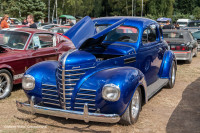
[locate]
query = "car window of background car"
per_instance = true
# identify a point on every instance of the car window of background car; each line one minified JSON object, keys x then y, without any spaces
{"x":196,"y":34}
{"x":194,"y":24}
{"x":123,"y":34}
{"x":13,"y":39}
{"x":42,"y":41}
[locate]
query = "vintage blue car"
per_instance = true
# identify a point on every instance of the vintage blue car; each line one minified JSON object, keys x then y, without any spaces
{"x":119,"y":63}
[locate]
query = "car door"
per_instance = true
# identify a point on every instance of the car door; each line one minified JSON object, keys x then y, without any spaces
{"x":150,"y":53}
{"x":42,"y":47}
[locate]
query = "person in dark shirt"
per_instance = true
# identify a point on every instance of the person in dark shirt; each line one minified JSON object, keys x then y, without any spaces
{"x":70,"y":22}
{"x":31,"y":22}
{"x":168,"y":25}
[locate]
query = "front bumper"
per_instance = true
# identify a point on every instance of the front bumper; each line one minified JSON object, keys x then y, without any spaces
{"x":85,"y":115}
{"x":183,"y":55}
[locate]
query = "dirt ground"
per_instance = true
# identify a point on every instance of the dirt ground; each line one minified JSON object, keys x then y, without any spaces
{"x":174,"y":110}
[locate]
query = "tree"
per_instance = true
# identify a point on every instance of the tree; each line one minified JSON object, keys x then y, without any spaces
{"x":196,"y":12}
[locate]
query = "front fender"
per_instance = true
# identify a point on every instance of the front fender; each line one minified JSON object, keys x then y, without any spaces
{"x":165,"y":69}
{"x":127,"y":78}
{"x":44,"y":73}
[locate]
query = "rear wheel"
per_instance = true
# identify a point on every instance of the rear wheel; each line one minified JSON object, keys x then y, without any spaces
{"x":132,"y":112}
{"x":173,"y":76}
{"x":6,"y":83}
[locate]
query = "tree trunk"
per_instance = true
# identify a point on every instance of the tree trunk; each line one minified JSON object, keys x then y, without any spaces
{"x":56,"y":11}
{"x":49,"y":1}
{"x":53,"y":12}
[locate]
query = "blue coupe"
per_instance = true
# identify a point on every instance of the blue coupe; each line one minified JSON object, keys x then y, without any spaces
{"x":119,"y":63}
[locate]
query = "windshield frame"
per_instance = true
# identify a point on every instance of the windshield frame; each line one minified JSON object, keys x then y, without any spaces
{"x":29,"y":36}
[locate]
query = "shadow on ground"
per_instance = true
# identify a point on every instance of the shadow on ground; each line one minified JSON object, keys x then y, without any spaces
{"x":186,"y":116}
{"x":86,"y":127}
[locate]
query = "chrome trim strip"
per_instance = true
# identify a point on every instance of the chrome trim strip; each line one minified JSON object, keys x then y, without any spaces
{"x":98,"y":117}
{"x":48,"y":90}
{"x":79,"y":69}
{"x":48,"y":85}
{"x":85,"y":99}
{"x":86,"y":94}
{"x":72,"y":79}
{"x":49,"y":95}
{"x":83,"y":108}
{"x":77,"y":74}
{"x":44,"y":98}
{"x":51,"y":103}
{"x":70,"y":84}
{"x":84,"y":103}
{"x":87,"y":89}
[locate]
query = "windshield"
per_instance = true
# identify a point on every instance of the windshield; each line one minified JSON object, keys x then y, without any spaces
{"x":173,"y":35}
{"x":13,"y":39}
{"x":194,"y":24}
{"x":196,"y":35}
{"x":120,"y":34}
{"x":182,"y":23}
{"x":123,"y":34}
{"x":59,"y":30}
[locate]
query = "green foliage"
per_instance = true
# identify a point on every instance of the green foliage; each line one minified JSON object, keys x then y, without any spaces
{"x":196,"y":12}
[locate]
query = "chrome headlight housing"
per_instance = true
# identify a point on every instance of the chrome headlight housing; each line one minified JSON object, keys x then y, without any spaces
{"x":28,"y":82}
{"x":111,"y":92}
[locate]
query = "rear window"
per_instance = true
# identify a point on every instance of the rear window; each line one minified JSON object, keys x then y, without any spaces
{"x":173,"y":35}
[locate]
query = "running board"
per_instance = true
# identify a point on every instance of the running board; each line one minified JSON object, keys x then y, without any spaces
{"x":156,"y":86}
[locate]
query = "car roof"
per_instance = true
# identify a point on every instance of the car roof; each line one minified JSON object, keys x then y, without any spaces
{"x":132,"y":21}
{"x":30,"y":30}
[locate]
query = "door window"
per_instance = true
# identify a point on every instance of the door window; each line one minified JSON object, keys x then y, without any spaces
{"x":149,"y":34}
{"x":42,"y":41}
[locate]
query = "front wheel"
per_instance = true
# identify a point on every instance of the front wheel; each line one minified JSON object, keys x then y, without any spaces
{"x":173,"y":76}
{"x":6,"y":83}
{"x":132,"y":112}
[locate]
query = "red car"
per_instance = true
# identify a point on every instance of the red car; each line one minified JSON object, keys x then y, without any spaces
{"x":22,"y":48}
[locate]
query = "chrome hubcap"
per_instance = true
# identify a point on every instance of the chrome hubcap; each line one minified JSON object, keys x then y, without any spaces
{"x":135,"y":104}
{"x":4,"y":84}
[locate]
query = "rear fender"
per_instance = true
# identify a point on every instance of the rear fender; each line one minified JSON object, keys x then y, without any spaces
{"x":165,"y":69}
{"x":127,"y":78}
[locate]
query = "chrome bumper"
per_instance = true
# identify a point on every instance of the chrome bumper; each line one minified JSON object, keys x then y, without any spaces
{"x":86,"y":116}
{"x":182,"y":55}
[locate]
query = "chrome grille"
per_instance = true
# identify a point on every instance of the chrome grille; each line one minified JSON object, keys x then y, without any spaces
{"x":67,"y":80}
{"x":50,"y":95}
{"x":85,"y":96}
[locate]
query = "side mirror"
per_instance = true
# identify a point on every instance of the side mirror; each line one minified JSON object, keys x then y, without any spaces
{"x":35,"y":47}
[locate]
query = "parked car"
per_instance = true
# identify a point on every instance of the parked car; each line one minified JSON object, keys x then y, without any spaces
{"x":108,"y":77}
{"x":22,"y":48}
{"x":196,"y":35}
{"x":193,"y":26}
{"x":60,"y":30}
{"x":49,"y":26}
{"x":183,"y":22}
{"x":182,"y":43}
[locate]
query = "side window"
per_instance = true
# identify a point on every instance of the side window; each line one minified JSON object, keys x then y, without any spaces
{"x":42,"y":41}
{"x":149,"y":34}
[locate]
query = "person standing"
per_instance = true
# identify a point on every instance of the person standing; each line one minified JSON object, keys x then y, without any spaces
{"x":4,"y":23}
{"x":168,"y":25}
{"x":24,"y":22}
{"x":30,"y":19}
{"x":70,"y":22}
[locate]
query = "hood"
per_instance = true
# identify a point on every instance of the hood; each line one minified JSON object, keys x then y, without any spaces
{"x":84,"y":32}
{"x":77,"y":59}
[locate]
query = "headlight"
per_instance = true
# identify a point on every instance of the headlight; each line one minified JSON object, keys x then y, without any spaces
{"x":28,"y":82}
{"x":111,"y":92}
